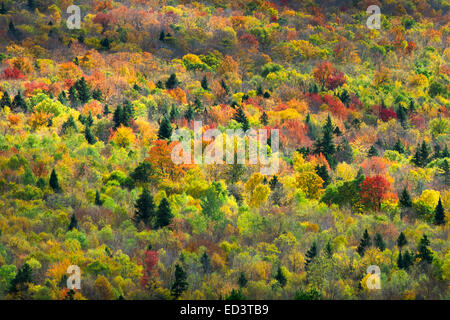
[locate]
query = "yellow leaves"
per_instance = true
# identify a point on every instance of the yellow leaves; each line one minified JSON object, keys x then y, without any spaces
{"x":300,"y":165}
{"x":258,"y":193}
{"x":178,"y":94}
{"x":345,"y":172}
{"x":310,"y":227}
{"x":38,"y":119}
{"x":306,"y":49}
{"x":430,"y":197}
{"x":103,"y":288}
{"x":147,"y":131}
{"x":69,"y":71}
{"x":124,"y":136}
{"x":310,"y":183}
{"x":58,"y":269}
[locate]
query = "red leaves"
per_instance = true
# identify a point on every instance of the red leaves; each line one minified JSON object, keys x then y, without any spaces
{"x":150,"y":261}
{"x":327,"y":76}
{"x":13,"y":74}
{"x":335,"y":80}
{"x":374,"y":190}
{"x":387,"y":114}
{"x":337,"y":108}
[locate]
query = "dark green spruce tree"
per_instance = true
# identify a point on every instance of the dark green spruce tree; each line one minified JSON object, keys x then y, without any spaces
{"x":180,"y":284}
{"x":439,"y":214}
{"x":164,"y":214}
{"x":165,"y":129}
{"x":53,"y":182}
{"x":73,"y":222}
{"x":145,"y":209}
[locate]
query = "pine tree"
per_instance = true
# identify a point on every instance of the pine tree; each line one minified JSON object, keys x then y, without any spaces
{"x":73,"y":222}
{"x":3,"y":9}
{"x":189,"y":115}
{"x":206,"y":263}
{"x":322,"y":172}
{"x":363,"y":243}
{"x":329,"y":250}
{"x":407,"y":259}
{"x":402,"y":117}
{"x":69,"y":125}
{"x":172,"y":82}
{"x":379,"y":242}
{"x":19,"y":103}
{"x":446,"y":173}
{"x":325,"y":145}
{"x":73,"y":96}
{"x":144,"y":209}
{"x":180,"y":285}
{"x":400,"y":262}
{"x":401,"y":241}
{"x":204,"y":83}
{"x":6,"y":100}
{"x":164,"y":214}
{"x":421,"y":156}
{"x":259,"y":91}
{"x":439,"y":214}
{"x":97,"y":95}
{"x":398,"y":146}
{"x":88,"y":135}
{"x":118,"y":116}
{"x":242,"y":280}
{"x":31,"y":4}
{"x":405,"y":199}
{"x":53,"y":182}
{"x":225,"y":87}
{"x":20,"y":282}
{"x":280,"y":277}
{"x":162,"y":36}
{"x":240,"y":117}
{"x":165,"y":129}
{"x":84,"y":93}
{"x":424,"y":253}
{"x":62,"y":97}
{"x":98,"y":201}
{"x":173,"y":113}
{"x":310,"y":255}
{"x":264,"y":119}
{"x":373,"y":152}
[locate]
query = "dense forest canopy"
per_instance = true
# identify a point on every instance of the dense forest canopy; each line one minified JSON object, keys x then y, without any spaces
{"x":87,"y":179}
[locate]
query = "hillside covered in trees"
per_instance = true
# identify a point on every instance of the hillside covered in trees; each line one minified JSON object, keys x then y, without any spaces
{"x":87,"y":179}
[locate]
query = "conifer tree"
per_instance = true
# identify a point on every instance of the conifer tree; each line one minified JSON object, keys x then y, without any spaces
{"x":264,"y":119}
{"x":280,"y":277}
{"x":189,"y":115}
{"x":164,"y":214}
{"x":325,"y":145}
{"x":242,"y":280}
{"x":20,"y":282}
{"x":73,"y":222}
{"x":6,"y":100}
{"x":118,"y":116}
{"x":144,"y":209}
{"x":240,"y":117}
{"x":84,"y":93}
{"x":401,"y":241}
{"x":405,"y":199}
{"x":19,"y":103}
{"x":363,"y":243}
{"x":322,"y":172}
{"x":373,"y":152}
{"x":165,"y":129}
{"x":180,"y":285}
{"x":97,"y":95}
{"x":310,"y":255}
{"x":88,"y":135}
{"x":62,"y":97}
{"x":162,"y":35}
{"x":424,"y":253}
{"x":53,"y":182}
{"x":204,"y":83}
{"x":329,"y":250}
{"x":173,"y":113}
{"x":439,"y":214}
{"x":172,"y":82}
{"x":206,"y":263}
{"x":400,"y":262}
{"x":3,"y":9}
{"x":398,"y":146}
{"x":98,"y":201}
{"x":379,"y":242}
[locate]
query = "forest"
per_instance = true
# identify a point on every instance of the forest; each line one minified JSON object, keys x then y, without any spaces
{"x":87,"y":117}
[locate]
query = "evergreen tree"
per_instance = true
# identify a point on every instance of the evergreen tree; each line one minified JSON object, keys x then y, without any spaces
{"x":69,"y":125}
{"x":204,"y":83}
{"x":401,"y":241}
{"x":421,"y":156}
{"x":439,"y":214}
{"x":446,"y":172}
{"x":310,"y":255}
{"x":173,"y":113}
{"x":280,"y":277}
{"x":144,"y":208}
{"x":73,"y":96}
{"x":322,"y":172}
{"x":164,"y":214}
{"x":20,"y":282}
{"x":53,"y":182}
{"x":6,"y":100}
{"x":189,"y":115}
{"x":325,"y":145}
{"x":162,"y":35}
{"x":379,"y":242}
{"x":31,"y":4}
{"x":405,"y":199}
{"x":225,"y":87}
{"x":329,"y":250}
{"x":19,"y":103}
{"x":165,"y":129}
{"x":84,"y":93}
{"x":206,"y":263}
{"x":424,"y":253}
{"x":363,"y":243}
{"x":240,"y":117}
{"x":398,"y":146}
{"x":407,"y":260}
{"x":98,"y":201}
{"x":118,"y":117}
{"x":97,"y":95}
{"x":3,"y":9}
{"x":242,"y":281}
{"x":402,"y":116}
{"x":62,"y":97}
{"x":445,"y":153}
{"x":264,"y":119}
{"x":172,"y":82}
{"x":400,"y":262}
{"x":373,"y":152}
{"x":236,"y":295}
{"x":180,"y":285}
{"x":88,"y":135}
{"x":106,"y":110}
{"x":73,"y":222}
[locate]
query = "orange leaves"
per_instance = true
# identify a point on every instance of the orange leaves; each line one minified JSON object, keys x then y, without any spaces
{"x":322,"y":71}
{"x":160,"y":157}
{"x":38,"y":119}
{"x":69,"y":71}
{"x":178,"y":94}
{"x":94,"y":107}
{"x":374,"y":166}
{"x":13,"y":119}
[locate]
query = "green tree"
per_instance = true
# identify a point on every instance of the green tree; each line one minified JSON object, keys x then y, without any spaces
{"x":379,"y":242}
{"x":322,"y":172}
{"x":264,"y":119}
{"x":240,"y":117}
{"x":206,"y":263}
{"x":401,"y":240}
{"x":84,"y":93}
{"x":53,"y":182}
{"x":172,"y":82}
{"x":325,"y":144}
{"x":310,"y":255}
{"x":405,"y":199}
{"x":424,"y":253}
{"x":20,"y":282}
{"x":242,"y":280}
{"x":19,"y":103}
{"x":204,"y":83}
{"x":98,"y":201}
{"x":73,"y":222}
{"x":165,"y":129}
{"x":144,"y":209}
{"x":90,"y":138}
{"x":280,"y":277}
{"x":180,"y":285}
{"x":164,"y":214}
{"x":439,"y":214}
{"x":373,"y":152}
{"x":6,"y":100}
{"x":363,"y":243}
